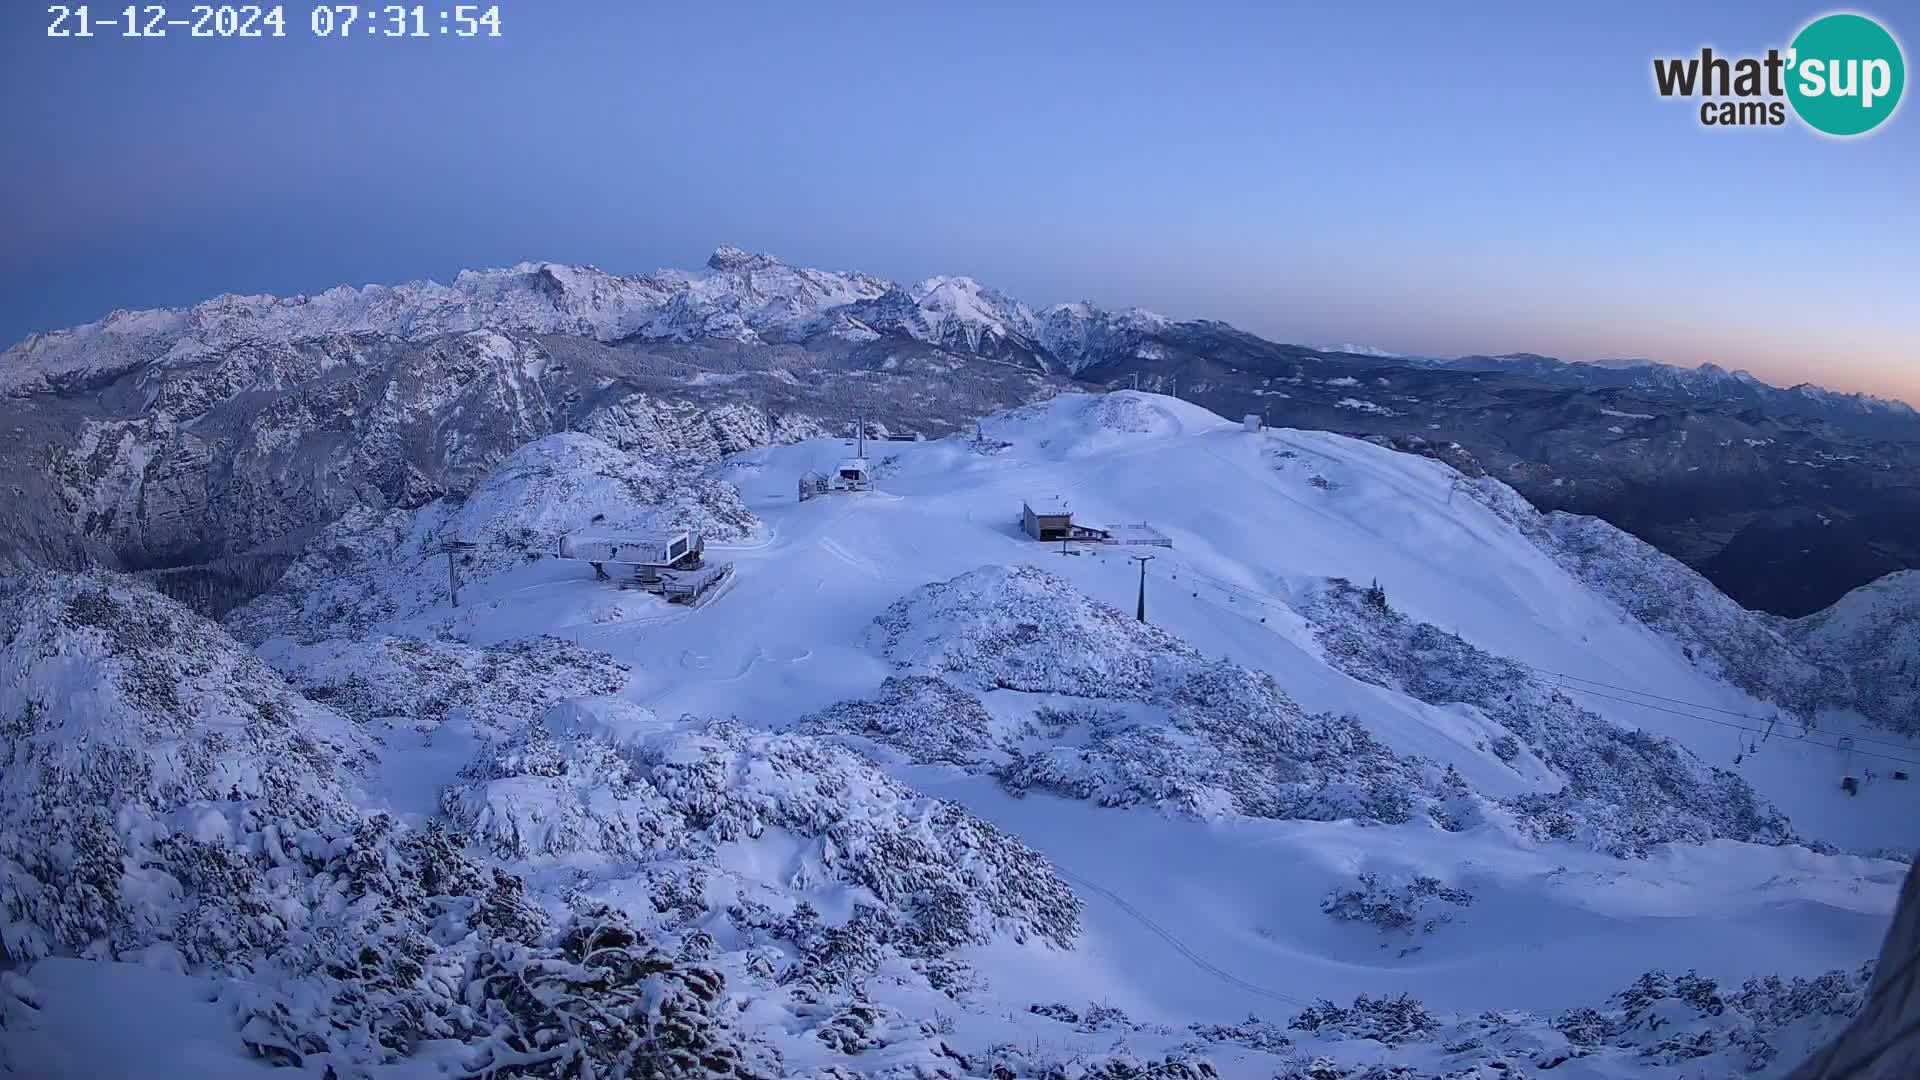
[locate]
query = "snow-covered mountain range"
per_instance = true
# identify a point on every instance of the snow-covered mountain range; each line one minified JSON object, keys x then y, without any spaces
{"x":1398,"y":773}
{"x":212,"y":442}
{"x":739,"y":297}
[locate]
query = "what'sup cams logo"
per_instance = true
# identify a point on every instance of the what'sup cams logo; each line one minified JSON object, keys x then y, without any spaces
{"x":1842,"y":76}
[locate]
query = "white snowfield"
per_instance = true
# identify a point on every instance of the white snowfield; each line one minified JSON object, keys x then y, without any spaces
{"x":1196,"y":912}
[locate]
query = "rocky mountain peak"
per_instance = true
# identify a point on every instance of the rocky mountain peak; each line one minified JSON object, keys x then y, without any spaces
{"x":730,"y":259}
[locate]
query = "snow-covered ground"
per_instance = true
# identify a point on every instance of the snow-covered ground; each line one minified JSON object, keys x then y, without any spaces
{"x":1196,"y":914}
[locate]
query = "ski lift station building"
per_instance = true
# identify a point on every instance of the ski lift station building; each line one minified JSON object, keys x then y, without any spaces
{"x":1046,"y":519}
{"x":853,"y":474}
{"x":671,"y":564}
{"x":1049,"y":519}
{"x":680,"y":550}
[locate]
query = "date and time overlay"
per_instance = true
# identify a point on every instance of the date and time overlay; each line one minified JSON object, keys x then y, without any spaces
{"x":268,"y":21}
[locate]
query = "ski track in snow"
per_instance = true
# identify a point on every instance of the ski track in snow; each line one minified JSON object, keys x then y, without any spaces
{"x":1168,"y":936}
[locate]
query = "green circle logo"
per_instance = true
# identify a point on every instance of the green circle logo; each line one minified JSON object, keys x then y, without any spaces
{"x":1845,"y":74}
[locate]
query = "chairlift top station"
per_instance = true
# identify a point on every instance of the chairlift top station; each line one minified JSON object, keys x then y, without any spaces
{"x":852,"y":474}
{"x":670,"y":564}
{"x":663,"y":551}
{"x":1050,"y":519}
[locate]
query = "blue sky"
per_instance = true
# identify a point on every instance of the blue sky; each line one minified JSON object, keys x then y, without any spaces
{"x":1430,"y":178}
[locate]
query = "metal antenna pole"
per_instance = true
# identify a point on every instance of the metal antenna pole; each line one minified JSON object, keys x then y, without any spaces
{"x":1141,"y":612}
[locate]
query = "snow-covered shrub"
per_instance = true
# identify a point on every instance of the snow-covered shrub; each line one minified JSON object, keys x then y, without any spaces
{"x":537,"y":795}
{"x":1096,"y":1017}
{"x":610,"y":779}
{"x":1661,"y":1025}
{"x":928,"y":718}
{"x":1668,"y":1019}
{"x":1008,"y":1062}
{"x":1413,"y":905}
{"x":371,"y":934}
{"x":1213,"y":738}
{"x":1625,"y":791}
{"x":422,"y":681}
{"x":1253,"y":1033}
{"x":406,"y":938}
{"x":1390,"y":1021}
{"x":128,"y":723}
{"x":856,"y":1027}
{"x":829,"y":960}
{"x":374,"y":565}
{"x":1326,"y":1068}
{"x":1257,"y":755}
{"x":604,"y":1004}
{"x":165,"y":796}
{"x":1022,"y":628}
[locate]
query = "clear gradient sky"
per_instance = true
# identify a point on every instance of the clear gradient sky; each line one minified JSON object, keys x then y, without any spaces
{"x":1431,"y":178}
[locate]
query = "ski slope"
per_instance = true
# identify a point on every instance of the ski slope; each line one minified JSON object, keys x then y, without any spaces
{"x":1190,"y":918}
{"x":1233,"y":904}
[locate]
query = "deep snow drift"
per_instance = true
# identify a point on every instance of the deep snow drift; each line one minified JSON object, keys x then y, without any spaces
{"x":914,"y":795}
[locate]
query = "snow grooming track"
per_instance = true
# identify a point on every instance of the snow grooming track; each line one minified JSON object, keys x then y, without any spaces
{"x":1166,"y":935}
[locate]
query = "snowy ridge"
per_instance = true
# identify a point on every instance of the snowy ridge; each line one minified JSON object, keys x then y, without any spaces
{"x":1670,"y":597}
{"x":1623,"y":792}
{"x":1706,"y":380}
{"x":1869,"y":646}
{"x":1360,"y":350}
{"x":739,"y":296}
